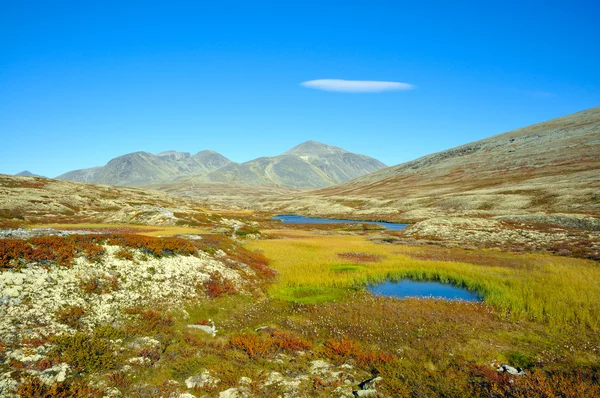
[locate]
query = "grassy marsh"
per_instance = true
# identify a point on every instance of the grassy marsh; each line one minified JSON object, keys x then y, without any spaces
{"x":552,"y":289}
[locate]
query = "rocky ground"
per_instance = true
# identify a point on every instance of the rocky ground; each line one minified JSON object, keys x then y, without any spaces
{"x":61,"y":320}
{"x":39,"y":302}
{"x":563,"y":234}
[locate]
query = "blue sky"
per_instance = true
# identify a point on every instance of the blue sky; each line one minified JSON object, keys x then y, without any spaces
{"x":84,"y":81}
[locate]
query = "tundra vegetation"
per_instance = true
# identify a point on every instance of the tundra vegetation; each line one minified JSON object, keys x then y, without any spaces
{"x":180,"y":301}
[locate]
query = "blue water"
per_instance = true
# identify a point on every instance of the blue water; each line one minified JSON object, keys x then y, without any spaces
{"x":408,"y":288}
{"x":294,"y":219}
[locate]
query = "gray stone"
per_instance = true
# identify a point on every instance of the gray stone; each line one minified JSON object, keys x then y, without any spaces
{"x":212,"y":330}
{"x":511,"y":370}
{"x":204,"y":379}
{"x":369,"y":383}
{"x":365,"y":393}
{"x":232,"y":393}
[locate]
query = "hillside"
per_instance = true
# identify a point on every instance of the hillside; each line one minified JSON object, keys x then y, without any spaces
{"x":552,"y":167}
{"x":35,"y":200}
{"x":308,"y":165}
{"x":140,"y":168}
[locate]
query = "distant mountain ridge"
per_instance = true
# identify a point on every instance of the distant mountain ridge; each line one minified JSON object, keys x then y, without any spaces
{"x":27,"y":173}
{"x":142,"y":168}
{"x":308,"y":165}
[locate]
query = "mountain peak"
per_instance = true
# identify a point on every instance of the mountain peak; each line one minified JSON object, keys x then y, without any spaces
{"x":174,"y":155}
{"x":314,"y":148}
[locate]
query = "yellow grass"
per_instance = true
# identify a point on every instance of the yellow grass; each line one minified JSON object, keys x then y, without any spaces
{"x":146,"y":230}
{"x":543,"y":287}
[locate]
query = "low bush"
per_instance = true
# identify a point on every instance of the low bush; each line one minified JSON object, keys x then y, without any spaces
{"x":253,"y":345}
{"x":217,"y":286}
{"x":287,"y":342}
{"x":344,"y":349}
{"x":85,"y":353}
{"x":153,"y":246}
{"x":149,"y":321}
{"x":33,"y":387}
{"x":70,"y":316}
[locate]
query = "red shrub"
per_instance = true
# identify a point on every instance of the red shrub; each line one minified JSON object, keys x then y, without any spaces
{"x":217,"y":286}
{"x":252,"y":344}
{"x":286,"y":342}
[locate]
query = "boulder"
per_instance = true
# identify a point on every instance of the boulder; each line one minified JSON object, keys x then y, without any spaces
{"x":510,"y":370}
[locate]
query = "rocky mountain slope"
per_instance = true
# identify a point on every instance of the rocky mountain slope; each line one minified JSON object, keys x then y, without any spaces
{"x":140,"y":168}
{"x":551,"y":167}
{"x":308,"y":165}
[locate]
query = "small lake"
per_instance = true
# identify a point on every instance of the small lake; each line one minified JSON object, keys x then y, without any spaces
{"x":408,"y":288}
{"x":294,"y":219}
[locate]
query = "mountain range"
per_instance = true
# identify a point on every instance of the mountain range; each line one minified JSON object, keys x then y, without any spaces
{"x":308,"y":165}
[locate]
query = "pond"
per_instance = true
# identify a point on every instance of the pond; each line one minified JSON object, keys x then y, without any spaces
{"x":294,"y":219}
{"x":408,"y":288}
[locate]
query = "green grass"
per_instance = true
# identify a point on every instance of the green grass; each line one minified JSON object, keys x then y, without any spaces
{"x":556,"y":290}
{"x":310,"y":294}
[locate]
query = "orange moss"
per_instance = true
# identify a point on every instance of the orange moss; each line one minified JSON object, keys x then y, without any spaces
{"x":154,"y":246}
{"x":252,"y":344}
{"x":70,"y":316}
{"x":287,"y":342}
{"x":217,"y":286}
{"x":344,"y":349}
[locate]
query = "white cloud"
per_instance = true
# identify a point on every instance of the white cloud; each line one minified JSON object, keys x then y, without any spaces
{"x":356,"y":86}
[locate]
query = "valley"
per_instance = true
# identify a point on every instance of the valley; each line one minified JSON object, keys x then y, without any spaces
{"x":183,"y":284}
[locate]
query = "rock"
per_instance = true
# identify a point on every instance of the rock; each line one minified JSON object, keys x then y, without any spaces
{"x":56,"y":374}
{"x":510,"y":370}
{"x":187,"y":395}
{"x":366,"y":387}
{"x":232,"y":393}
{"x":319,"y":367}
{"x":369,"y":383}
{"x":274,"y":378}
{"x":212,"y":330}
{"x":244,"y":381}
{"x":204,"y":379}
{"x":365,"y":393}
